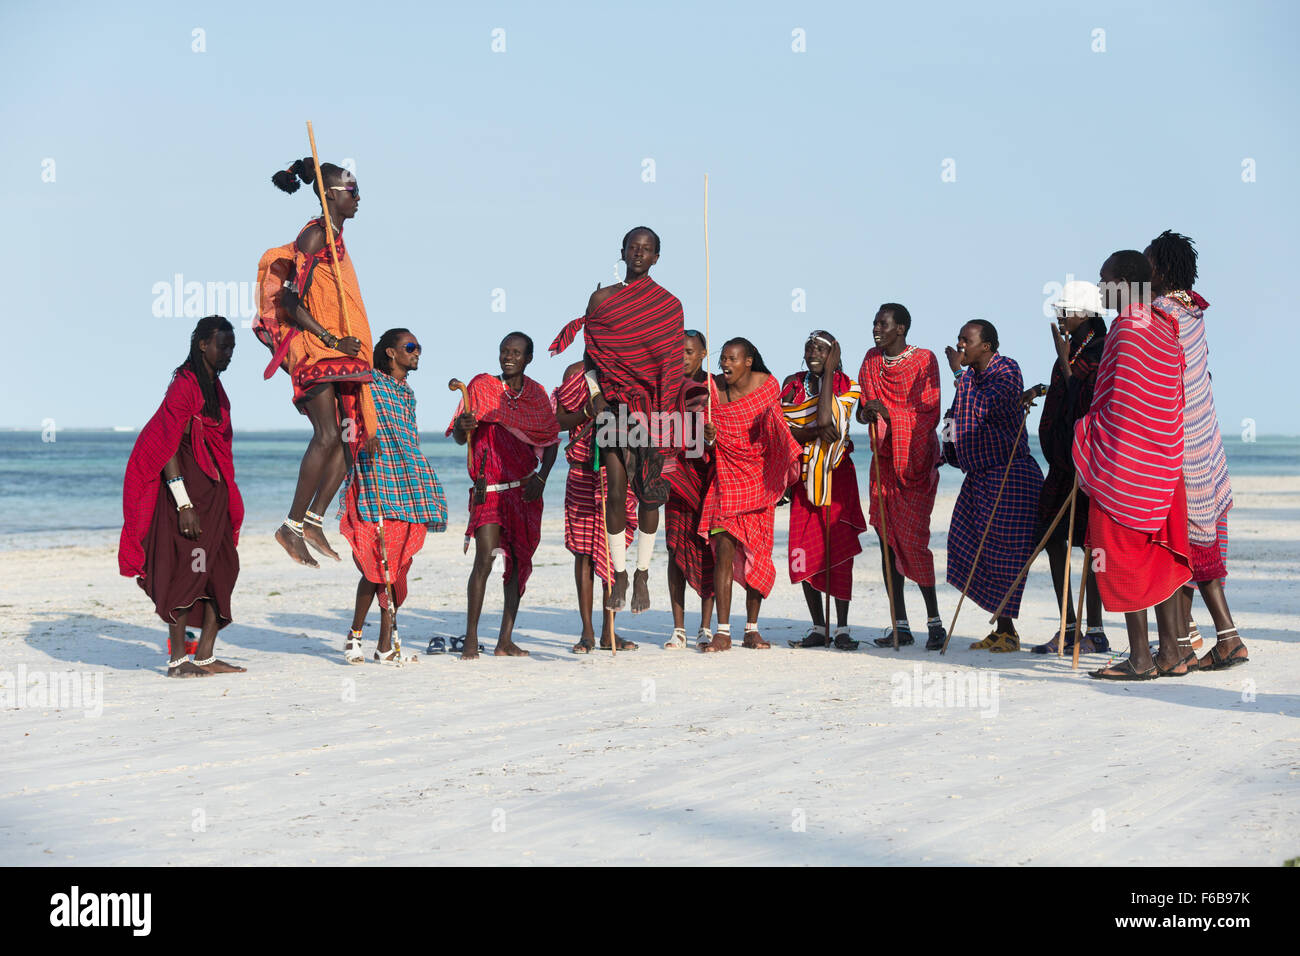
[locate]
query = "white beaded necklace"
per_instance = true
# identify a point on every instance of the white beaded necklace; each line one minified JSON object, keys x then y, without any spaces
{"x":891,"y":360}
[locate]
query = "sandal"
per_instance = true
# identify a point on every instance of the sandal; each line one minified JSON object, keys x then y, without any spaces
{"x":702,"y":637}
{"x":843,"y":642}
{"x":621,"y":644}
{"x":985,"y":643}
{"x":1050,"y":646}
{"x":437,"y":645}
{"x":1124,"y":671}
{"x":904,"y":637}
{"x":391,"y":656}
{"x":1216,"y":660}
{"x":720,"y":642}
{"x":1189,"y":662}
{"x":814,"y":638}
{"x":352,"y":652}
{"x":1094,"y":642}
{"x":457,"y":644}
{"x":678,"y":641}
{"x":938,"y":636}
{"x":584,"y":647}
{"x":1005,"y":643}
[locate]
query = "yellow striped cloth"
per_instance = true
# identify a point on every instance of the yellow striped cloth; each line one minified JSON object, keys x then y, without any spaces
{"x":819,"y":458}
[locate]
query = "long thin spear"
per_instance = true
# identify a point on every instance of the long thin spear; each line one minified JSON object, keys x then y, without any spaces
{"x":708,"y":334}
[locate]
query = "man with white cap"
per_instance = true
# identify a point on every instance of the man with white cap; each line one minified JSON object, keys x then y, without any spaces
{"x":1078,"y":336}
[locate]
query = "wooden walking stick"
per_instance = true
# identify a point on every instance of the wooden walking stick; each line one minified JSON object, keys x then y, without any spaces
{"x":884,"y":535}
{"x":329,"y":235}
{"x":388,"y":580}
{"x":1065,"y":586}
{"x":992,"y":515}
{"x":480,"y":483}
{"x":707,"y":332}
{"x":1033,"y":557}
{"x":604,"y":532}
{"x":1078,"y":617}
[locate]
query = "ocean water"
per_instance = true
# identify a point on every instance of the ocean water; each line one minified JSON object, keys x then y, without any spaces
{"x":74,"y":483}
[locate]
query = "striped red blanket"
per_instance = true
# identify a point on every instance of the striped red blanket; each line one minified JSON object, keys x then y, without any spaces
{"x":907,"y":451}
{"x":755,"y":460}
{"x":1128,"y":449}
{"x":635,"y":341}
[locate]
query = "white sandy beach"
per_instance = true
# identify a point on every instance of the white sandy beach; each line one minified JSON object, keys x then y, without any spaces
{"x":659,"y":757}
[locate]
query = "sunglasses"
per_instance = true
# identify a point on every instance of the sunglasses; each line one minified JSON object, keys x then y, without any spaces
{"x":412,"y":347}
{"x":351,"y":188}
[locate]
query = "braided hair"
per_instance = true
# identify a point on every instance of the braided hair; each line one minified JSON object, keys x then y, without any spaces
{"x":1173,"y":257}
{"x":305,"y":169}
{"x":208,"y":327}
{"x":387,"y":341}
{"x":750,"y":352}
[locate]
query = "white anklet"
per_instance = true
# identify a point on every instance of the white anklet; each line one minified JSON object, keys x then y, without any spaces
{"x":172,"y":665}
{"x":206,"y":661}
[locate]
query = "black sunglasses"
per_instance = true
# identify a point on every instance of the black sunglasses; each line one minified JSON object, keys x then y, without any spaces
{"x":412,"y":347}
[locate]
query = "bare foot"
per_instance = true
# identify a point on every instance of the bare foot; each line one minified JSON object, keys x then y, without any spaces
{"x":617,"y":593}
{"x":508,"y":649}
{"x":754,"y":641}
{"x":188,"y":669}
{"x":221,"y":667}
{"x":314,"y":535}
{"x":640,"y":591}
{"x":720,"y":642}
{"x":470,"y":650}
{"x":294,"y":546}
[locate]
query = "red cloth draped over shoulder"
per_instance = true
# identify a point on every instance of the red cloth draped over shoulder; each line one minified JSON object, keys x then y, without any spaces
{"x":1128,"y":449}
{"x":755,"y":460}
{"x":528,"y":416}
{"x":634,"y":338}
{"x":910,"y":390}
{"x":157,"y":442}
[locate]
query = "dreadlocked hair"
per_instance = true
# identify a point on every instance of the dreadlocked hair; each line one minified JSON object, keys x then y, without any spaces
{"x":387,"y":341}
{"x":208,"y":327}
{"x":1173,"y":258}
{"x":304,"y":169}
{"x":750,"y":352}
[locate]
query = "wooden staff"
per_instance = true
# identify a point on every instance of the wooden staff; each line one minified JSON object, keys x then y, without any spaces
{"x":1065,"y":587}
{"x":708,"y":334}
{"x":388,"y":578}
{"x":1078,"y":618}
{"x":884,"y":534}
{"x":826,"y":519}
{"x":329,"y":235}
{"x":452,"y":386}
{"x":992,"y":514}
{"x":604,"y":532}
{"x":1033,"y":557}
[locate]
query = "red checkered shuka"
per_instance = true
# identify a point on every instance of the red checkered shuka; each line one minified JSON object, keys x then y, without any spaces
{"x":755,"y":460}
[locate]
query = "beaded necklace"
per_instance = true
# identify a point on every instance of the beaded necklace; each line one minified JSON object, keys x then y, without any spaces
{"x":891,"y":360}
{"x":1083,"y":345}
{"x":511,"y":397}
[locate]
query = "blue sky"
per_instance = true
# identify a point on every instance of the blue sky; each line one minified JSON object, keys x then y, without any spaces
{"x":521,"y":170}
